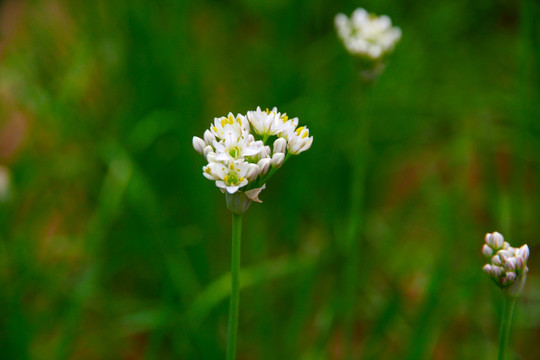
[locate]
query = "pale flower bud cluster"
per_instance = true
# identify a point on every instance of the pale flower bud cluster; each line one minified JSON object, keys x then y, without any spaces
{"x":367,"y":35}
{"x":242,"y":150}
{"x":507,"y":265}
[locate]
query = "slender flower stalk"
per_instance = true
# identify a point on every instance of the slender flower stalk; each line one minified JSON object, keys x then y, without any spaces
{"x":241,"y":161}
{"x":507,"y":267}
{"x":234,"y":304}
{"x":370,"y":39}
{"x":506,"y":322}
{"x":356,"y":217}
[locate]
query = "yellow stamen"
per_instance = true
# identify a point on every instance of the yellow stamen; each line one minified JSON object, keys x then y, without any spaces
{"x":231,"y":167}
{"x":299,"y":130}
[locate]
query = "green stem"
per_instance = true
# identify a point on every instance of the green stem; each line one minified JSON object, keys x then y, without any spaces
{"x":359,"y":162}
{"x":508,"y":312}
{"x":235,"y":286}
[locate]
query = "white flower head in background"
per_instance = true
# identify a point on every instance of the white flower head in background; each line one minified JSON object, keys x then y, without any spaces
{"x":243,"y":152}
{"x":367,"y":35}
{"x":507,"y":265}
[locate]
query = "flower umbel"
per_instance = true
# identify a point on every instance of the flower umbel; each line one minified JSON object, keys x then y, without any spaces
{"x":367,"y":35}
{"x":241,"y":150}
{"x":507,"y":265}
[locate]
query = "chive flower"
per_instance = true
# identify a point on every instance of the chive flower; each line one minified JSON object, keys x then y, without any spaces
{"x":239,"y":153}
{"x":241,"y":161}
{"x":367,"y":35}
{"x":507,"y":266}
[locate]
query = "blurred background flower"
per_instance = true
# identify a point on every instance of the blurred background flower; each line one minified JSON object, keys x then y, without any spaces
{"x":113,"y":248}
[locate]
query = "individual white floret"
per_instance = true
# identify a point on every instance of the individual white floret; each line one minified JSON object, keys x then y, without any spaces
{"x":264,"y":151}
{"x":510,"y":264}
{"x":280,"y":145}
{"x":289,"y":127}
{"x":207,"y":152}
{"x":487,"y":251}
{"x":504,"y":255}
{"x":520,"y":263}
{"x":265,"y":122}
{"x":299,"y":140}
{"x":209,"y":138}
{"x":264,"y":165}
{"x":230,"y":126}
{"x":495,"y":240}
{"x":523,"y":252}
{"x":253,"y":172}
{"x":229,"y":177}
{"x":496,"y":260}
{"x":277,"y":160}
{"x":198,"y":144}
{"x":236,"y":149}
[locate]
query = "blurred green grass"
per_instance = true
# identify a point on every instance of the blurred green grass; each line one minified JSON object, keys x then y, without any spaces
{"x":115,"y":247}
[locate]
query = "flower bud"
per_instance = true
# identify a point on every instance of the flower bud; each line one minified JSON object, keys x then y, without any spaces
{"x":252,"y":172}
{"x":211,"y":157}
{"x":207,"y":150}
{"x":280,"y":145}
{"x":487,"y":269}
{"x":496,"y":260}
{"x":264,"y":165}
{"x":487,"y":251}
{"x":209,"y":138}
{"x":497,"y":271}
{"x":520,"y":263}
{"x":198,"y":144}
{"x":498,"y":240}
{"x":277,"y":160}
{"x":524,"y":252}
{"x":504,"y":255}
{"x":510,"y":264}
{"x":510,"y":277}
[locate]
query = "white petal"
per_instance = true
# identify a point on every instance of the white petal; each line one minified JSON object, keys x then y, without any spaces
{"x":198,"y":144}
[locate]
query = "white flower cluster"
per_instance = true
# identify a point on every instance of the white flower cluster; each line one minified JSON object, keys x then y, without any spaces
{"x":508,"y":265}
{"x":366,"y":34}
{"x":236,"y":150}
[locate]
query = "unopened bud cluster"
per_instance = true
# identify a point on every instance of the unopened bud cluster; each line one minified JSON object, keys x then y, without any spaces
{"x":367,"y":35}
{"x":507,"y":265}
{"x":238,"y":149}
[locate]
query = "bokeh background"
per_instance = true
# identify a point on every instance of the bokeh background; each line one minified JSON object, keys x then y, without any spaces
{"x":114,"y":246}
